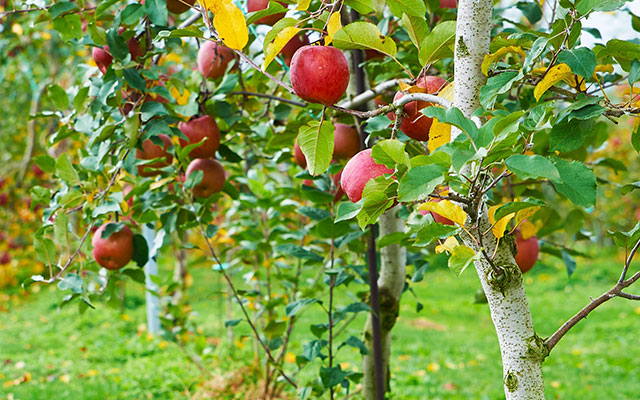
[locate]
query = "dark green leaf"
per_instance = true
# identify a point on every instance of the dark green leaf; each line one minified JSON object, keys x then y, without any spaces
{"x":577,"y":182}
{"x":157,"y":10}
{"x":532,"y":167}
{"x":582,"y":61}
{"x":419,"y":182}
{"x":298,"y":252}
{"x":293,"y":308}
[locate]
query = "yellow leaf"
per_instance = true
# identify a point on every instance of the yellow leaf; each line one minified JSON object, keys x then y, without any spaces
{"x":499,"y":226}
{"x":17,"y":29}
{"x":181,"y":99}
{"x":333,"y":26}
{"x":281,"y":40}
{"x":163,"y":344}
{"x":527,"y":229}
{"x":555,"y":75}
{"x":303,"y":4}
{"x":636,"y":124}
{"x":604,"y":68}
{"x":573,"y":81}
{"x":447,"y":92}
{"x":448,"y":245}
{"x":125,"y":207}
{"x":525,"y":213}
{"x":92,"y":372}
{"x":160,"y":183}
{"x":439,"y":134}
{"x":446,"y":209}
{"x":229,"y":22}
{"x":489,"y":59}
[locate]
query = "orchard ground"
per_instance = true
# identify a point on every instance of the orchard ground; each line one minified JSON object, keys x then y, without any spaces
{"x":448,"y":348}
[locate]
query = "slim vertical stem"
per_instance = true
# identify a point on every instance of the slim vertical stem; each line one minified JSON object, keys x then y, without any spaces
{"x":332,"y":282}
{"x":375,"y":313}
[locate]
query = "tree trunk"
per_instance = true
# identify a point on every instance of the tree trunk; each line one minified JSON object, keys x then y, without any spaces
{"x":521,"y":349}
{"x":390,"y":283}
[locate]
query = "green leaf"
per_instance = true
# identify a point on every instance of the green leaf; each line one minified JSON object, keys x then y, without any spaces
{"x":623,"y":51}
{"x":134,"y":79}
{"x":537,"y":48}
{"x":157,"y":11}
{"x":365,"y":36}
{"x":582,"y":61}
{"x":362,"y":6}
{"x":630,"y":187}
{"x":433,"y":231}
{"x":316,"y":143}
{"x":73,"y":282}
{"x":314,"y":213}
{"x":569,"y":136}
{"x":414,"y":8}
{"x":117,"y":45}
{"x":45,"y":250}
{"x":438,"y":44}
{"x":634,"y":72}
{"x":65,"y":170}
{"x":461,"y":258}
{"x":515,"y":206}
{"x":274,"y":329}
{"x":373,"y":206}
{"x":39,"y":195}
{"x":418,"y":182}
{"x":69,"y":27}
{"x":232,"y":322}
{"x":356,"y":308}
{"x":61,"y":7}
{"x":454,"y":117}
{"x":136,"y":274}
{"x":61,"y":230}
{"x":576,"y":182}
{"x":416,"y":27}
{"x":390,"y":152}
{"x":293,"y":308}
{"x":46,"y":163}
{"x":274,"y":7}
{"x":497,"y":85}
{"x":532,"y":167}
{"x":348,"y":210}
{"x":635,"y":138}
{"x":356,"y":343}
{"x":391,"y":238}
{"x":298,"y":252}
{"x":140,"y":250}
{"x":332,"y":376}
{"x":191,"y":31}
{"x":194,"y":178}
{"x":586,"y":6}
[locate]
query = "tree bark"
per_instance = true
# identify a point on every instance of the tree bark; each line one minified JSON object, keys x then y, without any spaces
{"x":521,"y":349}
{"x":390,"y":283}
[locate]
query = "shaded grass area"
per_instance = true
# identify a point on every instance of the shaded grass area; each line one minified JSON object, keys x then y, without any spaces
{"x":448,"y":350}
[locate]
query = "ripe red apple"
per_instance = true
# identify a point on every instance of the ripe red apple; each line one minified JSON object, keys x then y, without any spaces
{"x":37,"y":171}
{"x":151,"y":151}
{"x":292,"y":46}
{"x":528,"y":250}
{"x":4,"y":199}
{"x":212,"y":179}
{"x":346,"y":142}
{"x":213,"y":59}
{"x":257,"y":5}
{"x":337,"y":178}
{"x":358,"y":171}
{"x":319,"y":74}
{"x":5,"y":259}
{"x":301,"y":160}
{"x":115,"y":251}
{"x":437,"y":217}
{"x":179,"y":6}
{"x":448,"y":3}
{"x":103,"y":58}
{"x":198,"y":129}
{"x":414,"y":123}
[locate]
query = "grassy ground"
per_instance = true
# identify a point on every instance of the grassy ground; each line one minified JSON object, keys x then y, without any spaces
{"x":446,"y":351}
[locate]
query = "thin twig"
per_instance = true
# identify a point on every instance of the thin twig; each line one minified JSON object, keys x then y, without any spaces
{"x":623,"y":275}
{"x":269,"y":96}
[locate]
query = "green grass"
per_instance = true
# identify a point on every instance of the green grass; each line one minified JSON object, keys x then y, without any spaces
{"x":446,"y":351}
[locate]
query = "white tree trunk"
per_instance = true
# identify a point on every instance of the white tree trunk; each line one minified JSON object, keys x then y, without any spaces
{"x":522,"y":351}
{"x":390,"y":284}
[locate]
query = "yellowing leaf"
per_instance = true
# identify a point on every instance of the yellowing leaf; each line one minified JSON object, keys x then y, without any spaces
{"x":281,"y":40}
{"x":604,"y":68}
{"x":489,"y":59}
{"x":303,"y":4}
{"x":525,"y":213}
{"x":446,"y":209}
{"x":181,"y":99}
{"x":556,"y":74}
{"x":333,"y":26}
{"x":447,"y":92}
{"x":499,"y":226}
{"x":527,"y":229}
{"x":574,"y":80}
{"x":439,"y":134}
{"x":160,"y":183}
{"x":229,"y":22}
{"x":448,"y":245}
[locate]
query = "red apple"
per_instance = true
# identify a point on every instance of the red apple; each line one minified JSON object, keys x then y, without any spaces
{"x":213,"y":59}
{"x":358,"y":171}
{"x":13,"y":244}
{"x":337,"y":178}
{"x":179,"y":6}
{"x":257,"y":5}
{"x":448,"y":3}
{"x":346,"y":142}
{"x":292,"y":46}
{"x":301,"y":160}
{"x":4,"y":199}
{"x":151,"y":151}
{"x":437,"y":217}
{"x":115,"y":251}
{"x":371,"y":54}
{"x":5,"y":259}
{"x":528,"y":250}
{"x":319,"y":74}
{"x":212,"y":179}
{"x":103,"y":58}
{"x":198,"y":129}
{"x":37,"y":171}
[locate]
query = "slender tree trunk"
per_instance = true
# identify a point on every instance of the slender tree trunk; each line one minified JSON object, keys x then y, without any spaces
{"x":390,"y":283}
{"x":521,"y":349}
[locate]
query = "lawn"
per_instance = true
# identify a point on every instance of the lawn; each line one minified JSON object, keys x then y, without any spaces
{"x":448,"y":350}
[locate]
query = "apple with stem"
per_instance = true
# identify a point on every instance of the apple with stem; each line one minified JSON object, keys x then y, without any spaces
{"x":528,"y":251}
{"x":151,"y":151}
{"x":319,"y":74}
{"x":213,"y":59}
{"x":213,"y":176}
{"x":116,"y":250}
